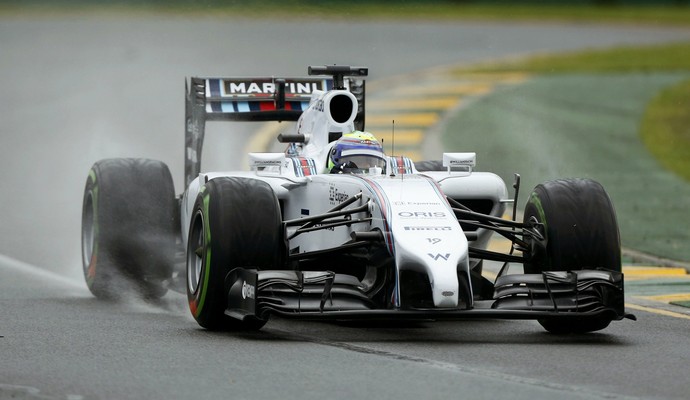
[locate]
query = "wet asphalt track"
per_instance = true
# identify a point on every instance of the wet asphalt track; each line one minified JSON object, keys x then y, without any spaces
{"x":74,"y":89}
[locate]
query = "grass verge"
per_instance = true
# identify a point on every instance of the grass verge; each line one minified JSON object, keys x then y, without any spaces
{"x":666,"y":128}
{"x":665,"y":15}
{"x":620,"y":116}
{"x":657,"y":58}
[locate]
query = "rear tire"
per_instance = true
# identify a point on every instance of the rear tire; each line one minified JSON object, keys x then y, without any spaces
{"x":236,"y":223}
{"x":128,"y":219}
{"x":580,"y":231}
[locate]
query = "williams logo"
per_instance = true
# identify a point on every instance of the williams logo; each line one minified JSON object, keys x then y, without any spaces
{"x":445,"y":257}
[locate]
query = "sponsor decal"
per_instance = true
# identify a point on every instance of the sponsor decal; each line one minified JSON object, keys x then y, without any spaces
{"x":235,"y":87}
{"x":191,"y":155}
{"x":433,"y":240}
{"x":428,"y":228}
{"x":192,"y":128}
{"x":248,"y":291}
{"x":416,"y":203}
{"x":439,"y":255}
{"x":304,"y":211}
{"x":318,"y":106}
{"x":447,"y":293}
{"x":336,"y":197}
{"x":331,"y":228}
{"x":268,"y":163}
{"x":422,"y":214}
{"x":460,"y":162}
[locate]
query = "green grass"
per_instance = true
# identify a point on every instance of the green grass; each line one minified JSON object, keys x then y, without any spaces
{"x":681,"y":303}
{"x":583,"y":125}
{"x":666,"y":128}
{"x":667,"y":14}
{"x":659,"y":58}
{"x":620,"y":116}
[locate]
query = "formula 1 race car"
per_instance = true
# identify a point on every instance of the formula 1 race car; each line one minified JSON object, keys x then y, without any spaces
{"x":335,"y":229}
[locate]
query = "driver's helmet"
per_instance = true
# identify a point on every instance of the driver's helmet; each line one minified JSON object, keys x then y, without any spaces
{"x":356,"y":152}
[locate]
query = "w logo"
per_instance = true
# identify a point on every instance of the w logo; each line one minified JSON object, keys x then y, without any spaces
{"x":437,"y":256}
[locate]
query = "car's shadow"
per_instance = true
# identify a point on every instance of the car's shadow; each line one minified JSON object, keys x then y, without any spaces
{"x":462,"y":333}
{"x":458,"y":333}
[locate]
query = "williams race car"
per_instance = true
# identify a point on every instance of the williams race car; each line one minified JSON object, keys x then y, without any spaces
{"x":335,"y":229}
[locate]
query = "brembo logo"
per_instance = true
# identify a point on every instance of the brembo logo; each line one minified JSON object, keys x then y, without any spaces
{"x":248,"y":290}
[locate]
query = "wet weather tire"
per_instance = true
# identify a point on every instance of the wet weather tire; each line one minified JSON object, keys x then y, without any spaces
{"x":236,"y":223}
{"x":128,"y":225}
{"x":580,"y":231}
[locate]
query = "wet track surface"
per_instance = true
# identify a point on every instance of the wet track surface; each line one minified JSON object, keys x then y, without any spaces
{"x":77,"y":89}
{"x":61,"y":341}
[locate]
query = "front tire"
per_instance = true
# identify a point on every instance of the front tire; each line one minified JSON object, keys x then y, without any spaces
{"x":236,"y":223}
{"x":128,"y":219}
{"x":580,"y":232}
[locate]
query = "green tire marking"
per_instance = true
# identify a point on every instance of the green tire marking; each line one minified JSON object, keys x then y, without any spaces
{"x":207,"y":263}
{"x":534,"y":199}
{"x":94,"y":210}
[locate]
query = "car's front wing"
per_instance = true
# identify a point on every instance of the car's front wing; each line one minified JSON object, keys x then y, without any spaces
{"x":330,"y":296}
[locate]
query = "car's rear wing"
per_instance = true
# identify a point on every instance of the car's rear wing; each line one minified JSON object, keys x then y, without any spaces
{"x":250,"y":99}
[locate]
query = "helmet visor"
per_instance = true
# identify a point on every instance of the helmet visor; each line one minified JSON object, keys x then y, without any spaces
{"x":364,"y":162}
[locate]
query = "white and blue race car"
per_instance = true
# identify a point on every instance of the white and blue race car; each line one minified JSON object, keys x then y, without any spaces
{"x":334,"y":229}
